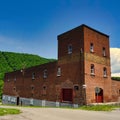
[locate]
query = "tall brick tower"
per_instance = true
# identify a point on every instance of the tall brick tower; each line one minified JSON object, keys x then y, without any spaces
{"x":97,"y":66}
{"x":84,"y":58}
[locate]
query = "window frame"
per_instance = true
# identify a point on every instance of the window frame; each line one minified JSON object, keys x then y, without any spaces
{"x":33,"y":76}
{"x":76,"y":87}
{"x":45,"y":73}
{"x":70,"y":49}
{"x":91,"y":47}
{"x":32,"y":87}
{"x":58,"y":71}
{"x":104,"y":52}
{"x":92,"y":69}
{"x":15,"y":79}
{"x":104,"y":72}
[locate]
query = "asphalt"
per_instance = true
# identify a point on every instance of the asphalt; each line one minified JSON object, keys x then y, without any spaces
{"x":60,"y":114}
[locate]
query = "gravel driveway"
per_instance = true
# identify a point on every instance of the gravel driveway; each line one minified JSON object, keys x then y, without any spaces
{"x":60,"y":114}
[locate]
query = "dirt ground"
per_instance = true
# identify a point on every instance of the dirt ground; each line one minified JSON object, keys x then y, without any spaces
{"x":60,"y":114}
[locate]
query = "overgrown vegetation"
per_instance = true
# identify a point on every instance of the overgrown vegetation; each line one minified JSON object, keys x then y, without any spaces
{"x":5,"y":111}
{"x":116,"y":78}
{"x":100,"y":107}
{"x":10,"y":61}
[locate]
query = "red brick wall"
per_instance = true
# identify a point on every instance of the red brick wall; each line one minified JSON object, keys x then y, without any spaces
{"x":115,"y":90}
{"x":73,"y":37}
{"x":97,"y":81}
{"x":92,"y":81}
{"x":99,"y":41}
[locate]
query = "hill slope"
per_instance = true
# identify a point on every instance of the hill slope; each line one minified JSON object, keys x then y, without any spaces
{"x":10,"y":61}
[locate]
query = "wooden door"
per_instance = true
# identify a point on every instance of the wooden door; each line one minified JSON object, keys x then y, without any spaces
{"x":67,"y":95}
{"x":99,"y":96}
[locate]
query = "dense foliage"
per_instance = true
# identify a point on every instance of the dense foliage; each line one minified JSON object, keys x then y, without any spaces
{"x":1,"y":87}
{"x":10,"y":61}
{"x":116,"y":78}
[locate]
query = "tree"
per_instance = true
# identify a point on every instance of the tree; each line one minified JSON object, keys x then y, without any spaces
{"x":1,"y":88}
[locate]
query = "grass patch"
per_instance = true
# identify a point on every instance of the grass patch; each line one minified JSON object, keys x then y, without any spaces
{"x":5,"y":111}
{"x":99,"y":107}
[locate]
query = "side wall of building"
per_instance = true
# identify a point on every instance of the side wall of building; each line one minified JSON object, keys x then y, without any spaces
{"x":31,"y":82}
{"x":96,"y":60}
{"x":115,"y":91}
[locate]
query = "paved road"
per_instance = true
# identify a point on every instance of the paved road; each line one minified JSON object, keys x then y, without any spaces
{"x":61,"y":114}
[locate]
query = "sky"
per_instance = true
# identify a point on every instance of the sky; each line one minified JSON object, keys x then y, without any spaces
{"x":32,"y":26}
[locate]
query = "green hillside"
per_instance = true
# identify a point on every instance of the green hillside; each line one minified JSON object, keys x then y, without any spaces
{"x":10,"y":61}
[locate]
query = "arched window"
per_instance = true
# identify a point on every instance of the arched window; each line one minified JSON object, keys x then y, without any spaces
{"x":91,"y":47}
{"x":104,"y":72}
{"x":104,"y":52}
{"x":92,"y":69}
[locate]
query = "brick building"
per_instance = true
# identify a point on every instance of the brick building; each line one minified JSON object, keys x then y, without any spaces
{"x":81,"y":75}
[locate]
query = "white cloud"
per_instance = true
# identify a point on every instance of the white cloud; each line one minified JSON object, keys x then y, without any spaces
{"x":115,"y":61}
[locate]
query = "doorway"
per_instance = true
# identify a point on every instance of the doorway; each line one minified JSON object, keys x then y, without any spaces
{"x":99,"y":96}
{"x":67,"y":95}
{"x":18,"y":100}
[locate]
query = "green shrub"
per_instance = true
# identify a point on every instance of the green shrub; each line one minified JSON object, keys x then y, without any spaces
{"x":116,"y":78}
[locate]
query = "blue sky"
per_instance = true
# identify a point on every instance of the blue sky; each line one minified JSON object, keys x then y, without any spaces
{"x":32,"y":26}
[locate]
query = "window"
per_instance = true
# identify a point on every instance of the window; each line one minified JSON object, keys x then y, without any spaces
{"x":14,"y":88}
{"x":104,"y":52}
{"x":59,"y":71}
{"x":15,"y":79}
{"x":45,"y":73}
{"x":104,"y":72}
{"x":92,"y":69}
{"x":33,"y":76}
{"x":8,"y":79}
{"x":32,"y":87}
{"x":69,"y":49}
{"x":91,"y":47}
{"x":44,"y":87}
{"x":44,"y":90}
{"x":76,"y":87}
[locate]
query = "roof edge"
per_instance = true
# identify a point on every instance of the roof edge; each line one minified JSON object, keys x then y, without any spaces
{"x":83,"y":25}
